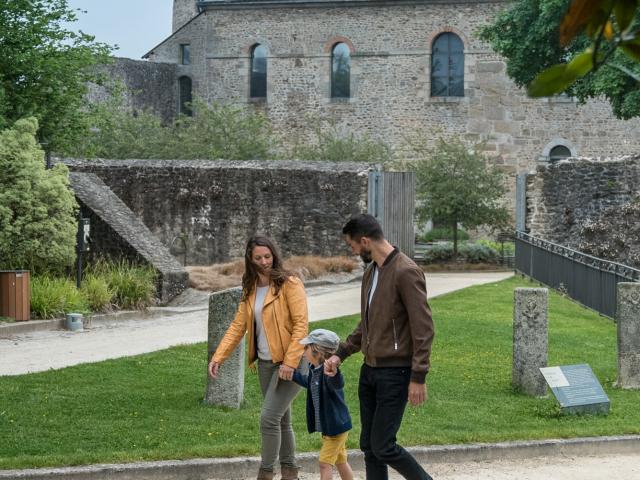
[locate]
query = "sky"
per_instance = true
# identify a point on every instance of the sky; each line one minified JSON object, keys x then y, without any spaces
{"x":136,"y":26}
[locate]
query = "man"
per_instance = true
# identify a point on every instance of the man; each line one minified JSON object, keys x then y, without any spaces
{"x":395,"y":335}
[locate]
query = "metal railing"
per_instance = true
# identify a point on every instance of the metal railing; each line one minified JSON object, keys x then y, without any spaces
{"x":589,"y":280}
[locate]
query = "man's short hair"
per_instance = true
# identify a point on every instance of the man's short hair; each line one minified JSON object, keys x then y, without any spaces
{"x":363,"y":225}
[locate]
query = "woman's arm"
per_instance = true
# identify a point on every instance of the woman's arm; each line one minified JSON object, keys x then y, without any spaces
{"x":233,"y":336}
{"x":297,"y":302}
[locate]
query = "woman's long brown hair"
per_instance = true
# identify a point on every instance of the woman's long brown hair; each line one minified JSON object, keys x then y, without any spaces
{"x":277,"y":276}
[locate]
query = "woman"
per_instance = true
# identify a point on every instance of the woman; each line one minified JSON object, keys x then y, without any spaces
{"x":273,"y":310}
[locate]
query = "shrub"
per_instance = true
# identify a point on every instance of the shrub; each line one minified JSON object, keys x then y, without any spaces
{"x":97,"y":292}
{"x":37,"y":207}
{"x":133,"y":286}
{"x":439,"y":253}
{"x":334,"y":145}
{"x":468,"y":252}
{"x":443,"y":234}
{"x":475,"y":253}
{"x":509,"y":247}
{"x":53,"y":297}
{"x":229,"y":132}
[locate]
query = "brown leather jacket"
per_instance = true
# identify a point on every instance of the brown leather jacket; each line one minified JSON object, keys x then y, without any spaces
{"x":285,"y":319}
{"x":397,"y":329}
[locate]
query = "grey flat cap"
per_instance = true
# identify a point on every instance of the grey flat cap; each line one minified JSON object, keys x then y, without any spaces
{"x":323,"y":338}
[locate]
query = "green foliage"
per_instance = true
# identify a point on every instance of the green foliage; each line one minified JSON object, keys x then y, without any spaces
{"x":105,"y":285}
{"x":149,"y":407}
{"x":53,"y":297}
{"x":528,"y":35}
{"x":37,"y":208}
{"x":442,"y":234}
{"x":44,"y":68}
{"x":133,"y":286}
{"x":509,"y":248}
{"x":97,"y":291}
{"x":336,"y":146}
{"x":468,"y":252}
{"x":456,"y":184}
{"x":214,"y":132}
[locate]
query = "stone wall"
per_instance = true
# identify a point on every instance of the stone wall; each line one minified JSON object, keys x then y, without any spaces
{"x":390,"y":78}
{"x":219,"y":204}
{"x":147,"y":86}
{"x":588,"y":204}
{"x":118,"y":233}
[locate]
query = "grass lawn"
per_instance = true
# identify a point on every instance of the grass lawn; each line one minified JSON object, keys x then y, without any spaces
{"x":149,"y":406}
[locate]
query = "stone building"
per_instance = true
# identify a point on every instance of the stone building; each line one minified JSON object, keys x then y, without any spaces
{"x":390,"y":69}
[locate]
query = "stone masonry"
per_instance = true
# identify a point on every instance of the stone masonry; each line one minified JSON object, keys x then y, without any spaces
{"x":149,"y":86}
{"x":116,"y":231}
{"x":390,"y":76}
{"x":228,"y":389}
{"x":217,"y":205}
{"x":530,"y":340}
{"x":628,"y":324}
{"x":592,"y":205}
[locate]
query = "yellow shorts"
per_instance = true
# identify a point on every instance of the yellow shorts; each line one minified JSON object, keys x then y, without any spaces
{"x":334,"y":449}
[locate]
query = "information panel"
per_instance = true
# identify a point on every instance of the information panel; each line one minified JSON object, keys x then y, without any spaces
{"x":576,"y":388}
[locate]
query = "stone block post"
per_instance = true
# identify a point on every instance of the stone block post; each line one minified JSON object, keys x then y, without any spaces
{"x":530,"y":341}
{"x":628,"y":320}
{"x":227,"y":390}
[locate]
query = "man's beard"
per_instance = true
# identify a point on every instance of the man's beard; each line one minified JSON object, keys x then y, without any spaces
{"x":366,"y":257}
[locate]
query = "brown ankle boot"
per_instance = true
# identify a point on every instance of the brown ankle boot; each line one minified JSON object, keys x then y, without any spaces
{"x":289,"y":473}
{"x":264,"y":474}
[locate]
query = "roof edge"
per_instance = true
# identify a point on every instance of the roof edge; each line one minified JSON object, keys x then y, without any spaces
{"x":146,"y":55}
{"x":243,"y":4}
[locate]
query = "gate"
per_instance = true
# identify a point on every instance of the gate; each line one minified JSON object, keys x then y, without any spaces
{"x":392,"y":201}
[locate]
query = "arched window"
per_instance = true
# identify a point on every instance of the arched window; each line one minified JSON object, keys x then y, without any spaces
{"x":340,"y":71}
{"x":447,"y":66}
{"x":258,"y":81}
{"x":186,"y":95}
{"x":558,"y":153}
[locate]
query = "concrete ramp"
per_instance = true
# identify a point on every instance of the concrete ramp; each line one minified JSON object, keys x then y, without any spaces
{"x":116,"y":232}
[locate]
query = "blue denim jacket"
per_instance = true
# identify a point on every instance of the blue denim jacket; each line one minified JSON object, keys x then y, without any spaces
{"x":334,"y":414}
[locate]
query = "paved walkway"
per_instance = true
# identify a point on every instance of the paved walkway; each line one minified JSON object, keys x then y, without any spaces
{"x":622,"y":467}
{"x":113,"y":338}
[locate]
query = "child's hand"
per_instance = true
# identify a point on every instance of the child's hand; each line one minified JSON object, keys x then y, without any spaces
{"x":331,"y":365}
{"x":285,"y":372}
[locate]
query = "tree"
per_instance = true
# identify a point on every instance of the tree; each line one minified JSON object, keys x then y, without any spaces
{"x":456,"y":184}
{"x":585,"y":48}
{"x":214,"y":132}
{"x":44,"y":68}
{"x":336,"y":146}
{"x":37,"y":208}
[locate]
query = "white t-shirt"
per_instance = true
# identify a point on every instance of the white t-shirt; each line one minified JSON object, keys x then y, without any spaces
{"x":374,"y":283}
{"x":263,"y":344}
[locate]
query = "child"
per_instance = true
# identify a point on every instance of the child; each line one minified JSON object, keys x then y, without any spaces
{"x":327,"y":411}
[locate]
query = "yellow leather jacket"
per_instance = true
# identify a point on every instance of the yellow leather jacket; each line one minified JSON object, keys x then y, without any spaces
{"x":285,"y":319}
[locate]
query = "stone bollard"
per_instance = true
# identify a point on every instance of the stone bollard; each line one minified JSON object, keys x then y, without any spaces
{"x":628,"y":320}
{"x":530,"y":340}
{"x":227,"y":390}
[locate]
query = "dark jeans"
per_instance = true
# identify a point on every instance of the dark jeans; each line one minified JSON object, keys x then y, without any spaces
{"x":383,"y":396}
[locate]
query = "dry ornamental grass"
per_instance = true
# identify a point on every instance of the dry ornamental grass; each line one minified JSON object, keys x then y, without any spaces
{"x":226,"y":275}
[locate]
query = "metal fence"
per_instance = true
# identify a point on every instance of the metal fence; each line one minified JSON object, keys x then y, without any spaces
{"x":589,"y":280}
